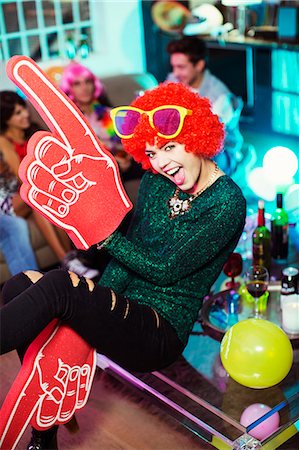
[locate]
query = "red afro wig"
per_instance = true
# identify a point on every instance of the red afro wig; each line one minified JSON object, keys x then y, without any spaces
{"x":202,"y":132}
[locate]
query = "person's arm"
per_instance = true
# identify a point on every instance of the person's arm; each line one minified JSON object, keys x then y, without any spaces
{"x":192,"y":251}
{"x":117,"y":276}
{"x":223,"y":108}
{"x":171,"y":78}
{"x":9,"y":155}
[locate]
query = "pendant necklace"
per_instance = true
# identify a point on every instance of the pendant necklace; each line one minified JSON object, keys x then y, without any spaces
{"x":178,"y":207}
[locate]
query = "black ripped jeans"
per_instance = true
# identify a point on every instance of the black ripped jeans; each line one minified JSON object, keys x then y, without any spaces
{"x":130,"y":334}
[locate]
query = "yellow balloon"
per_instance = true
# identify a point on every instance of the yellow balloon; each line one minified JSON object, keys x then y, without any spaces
{"x":256,"y":353}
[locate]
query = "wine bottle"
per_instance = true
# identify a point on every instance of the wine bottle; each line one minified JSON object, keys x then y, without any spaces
{"x":279,"y":231}
{"x":261,"y":240}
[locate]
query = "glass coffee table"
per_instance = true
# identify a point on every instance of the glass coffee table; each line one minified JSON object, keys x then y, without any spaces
{"x":200,"y":395}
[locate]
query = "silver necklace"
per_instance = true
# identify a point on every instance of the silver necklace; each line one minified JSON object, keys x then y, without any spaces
{"x":178,"y":207}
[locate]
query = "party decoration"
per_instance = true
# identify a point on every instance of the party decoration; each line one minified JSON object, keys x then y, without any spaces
{"x":55,"y":73}
{"x":68,"y":175}
{"x":170,"y":16}
{"x":266,"y":427}
{"x":54,"y":381}
{"x":280,"y":165}
{"x":256,"y":353}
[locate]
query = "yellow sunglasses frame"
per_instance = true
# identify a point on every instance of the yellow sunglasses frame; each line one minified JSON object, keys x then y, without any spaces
{"x":150,"y":114}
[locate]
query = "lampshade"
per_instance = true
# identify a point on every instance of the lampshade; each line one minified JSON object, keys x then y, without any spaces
{"x":205,"y":18}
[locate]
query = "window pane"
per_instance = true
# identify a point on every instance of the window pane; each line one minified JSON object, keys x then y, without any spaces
{"x":67,"y":12}
{"x":70,"y":47}
{"x":49,"y":13}
{"x":84,"y":10}
{"x":34,"y":47}
{"x":53,"y":45}
{"x":11,"y":17}
{"x":1,"y":52}
{"x":84,"y":46}
{"x":30,"y":15}
{"x":86,"y":34}
{"x":15,"y":47}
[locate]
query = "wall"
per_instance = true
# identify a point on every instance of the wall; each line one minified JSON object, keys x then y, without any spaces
{"x":118,"y":37}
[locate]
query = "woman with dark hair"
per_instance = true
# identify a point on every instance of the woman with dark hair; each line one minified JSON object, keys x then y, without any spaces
{"x":15,"y":130}
{"x":8,"y":101}
{"x":188,"y":219}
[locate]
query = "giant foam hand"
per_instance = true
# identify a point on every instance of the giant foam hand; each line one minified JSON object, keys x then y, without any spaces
{"x":67,"y":175}
{"x":54,"y":381}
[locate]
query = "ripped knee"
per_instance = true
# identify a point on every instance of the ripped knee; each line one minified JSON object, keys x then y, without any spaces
{"x":33,"y":275}
{"x":76,"y":280}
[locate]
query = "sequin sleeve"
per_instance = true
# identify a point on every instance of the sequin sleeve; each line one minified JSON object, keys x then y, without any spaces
{"x":191,"y":249}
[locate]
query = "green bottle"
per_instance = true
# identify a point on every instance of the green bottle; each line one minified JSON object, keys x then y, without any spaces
{"x":261,"y":240}
{"x":280,"y":231}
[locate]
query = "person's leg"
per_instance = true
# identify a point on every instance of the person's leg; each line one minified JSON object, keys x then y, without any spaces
{"x":40,"y":440}
{"x":15,"y":244}
{"x":45,"y":227}
{"x":48,"y":231}
{"x":64,"y":239}
{"x":133,"y":335}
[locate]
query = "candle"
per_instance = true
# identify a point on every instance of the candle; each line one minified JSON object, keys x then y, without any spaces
{"x":290,"y":315}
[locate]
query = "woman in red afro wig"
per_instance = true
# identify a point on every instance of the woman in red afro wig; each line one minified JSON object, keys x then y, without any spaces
{"x":188,"y":220}
{"x":202,"y":133}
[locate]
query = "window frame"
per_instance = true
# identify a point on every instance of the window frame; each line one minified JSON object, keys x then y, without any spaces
{"x":62,"y":30}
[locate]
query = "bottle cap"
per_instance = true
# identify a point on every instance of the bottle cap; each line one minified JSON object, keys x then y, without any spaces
{"x":279,"y":200}
{"x":261,"y":204}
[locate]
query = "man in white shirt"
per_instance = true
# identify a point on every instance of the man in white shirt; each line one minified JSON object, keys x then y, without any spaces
{"x":188,"y":60}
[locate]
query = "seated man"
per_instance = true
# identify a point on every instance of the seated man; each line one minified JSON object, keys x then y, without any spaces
{"x":188,"y":60}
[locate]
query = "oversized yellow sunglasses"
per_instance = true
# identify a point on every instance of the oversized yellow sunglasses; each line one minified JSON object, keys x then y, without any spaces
{"x":168,"y":120}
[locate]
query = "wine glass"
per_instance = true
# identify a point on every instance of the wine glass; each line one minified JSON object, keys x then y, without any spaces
{"x":257,"y":279}
{"x":232,"y":268}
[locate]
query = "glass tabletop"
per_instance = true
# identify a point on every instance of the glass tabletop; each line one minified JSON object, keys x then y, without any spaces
{"x":197,"y":391}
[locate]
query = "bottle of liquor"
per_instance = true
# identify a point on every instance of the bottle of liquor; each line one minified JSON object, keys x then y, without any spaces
{"x":261,"y":240}
{"x":279,"y":231}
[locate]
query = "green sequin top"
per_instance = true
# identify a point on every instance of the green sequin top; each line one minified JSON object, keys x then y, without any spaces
{"x":171,"y":264}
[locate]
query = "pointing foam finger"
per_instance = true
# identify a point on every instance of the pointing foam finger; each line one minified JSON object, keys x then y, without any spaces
{"x":61,"y":115}
{"x":39,"y":176}
{"x":53,"y":208}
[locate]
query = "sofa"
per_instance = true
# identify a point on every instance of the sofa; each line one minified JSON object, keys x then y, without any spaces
{"x":121,"y":90}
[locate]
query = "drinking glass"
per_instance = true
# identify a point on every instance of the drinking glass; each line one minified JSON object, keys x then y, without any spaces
{"x":232,"y":268}
{"x":257,"y":279}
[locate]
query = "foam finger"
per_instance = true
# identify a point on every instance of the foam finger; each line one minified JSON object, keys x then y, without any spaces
{"x":70,"y":399}
{"x":44,"y":181}
{"x":54,"y":208}
{"x":59,"y":113}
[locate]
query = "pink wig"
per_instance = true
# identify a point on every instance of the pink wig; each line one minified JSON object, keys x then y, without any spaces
{"x":202,"y":132}
{"x":72,"y":72}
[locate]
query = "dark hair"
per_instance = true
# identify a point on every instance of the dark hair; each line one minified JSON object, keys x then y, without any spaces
{"x":8,"y":102}
{"x":191,"y":46}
